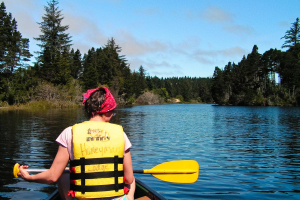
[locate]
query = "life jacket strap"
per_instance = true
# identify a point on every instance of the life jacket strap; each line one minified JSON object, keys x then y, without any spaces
{"x":96,"y":188}
{"x":82,"y":175}
{"x":116,"y":173}
{"x":93,"y":175}
{"x":96,"y":161}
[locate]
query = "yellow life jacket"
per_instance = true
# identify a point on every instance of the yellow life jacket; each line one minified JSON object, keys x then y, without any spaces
{"x":97,"y":168}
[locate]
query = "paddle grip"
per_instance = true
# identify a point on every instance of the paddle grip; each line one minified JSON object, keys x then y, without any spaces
{"x":139,"y":171}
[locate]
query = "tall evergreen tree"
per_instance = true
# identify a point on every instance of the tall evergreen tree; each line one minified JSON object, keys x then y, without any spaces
{"x":227,"y":79}
{"x":127,"y":83}
{"x":54,"y":43}
{"x":253,"y":65}
{"x":289,"y":68}
{"x":218,"y":88}
{"x":76,"y":64}
{"x":142,"y":80}
{"x":292,"y":36}
{"x":271,"y":62}
{"x":14,"y":50}
{"x":90,"y":74}
{"x":113,"y":61}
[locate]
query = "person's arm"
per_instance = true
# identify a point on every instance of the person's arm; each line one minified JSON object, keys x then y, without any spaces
{"x":128,"y":171}
{"x":58,"y":166}
{"x":131,"y":192}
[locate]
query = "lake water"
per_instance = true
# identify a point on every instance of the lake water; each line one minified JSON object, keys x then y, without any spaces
{"x":243,"y":152}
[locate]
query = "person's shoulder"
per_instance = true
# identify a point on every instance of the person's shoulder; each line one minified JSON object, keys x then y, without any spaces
{"x":67,"y":130}
{"x":65,"y":136}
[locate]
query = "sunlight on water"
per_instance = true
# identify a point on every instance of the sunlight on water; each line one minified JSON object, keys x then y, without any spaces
{"x":243,"y":152}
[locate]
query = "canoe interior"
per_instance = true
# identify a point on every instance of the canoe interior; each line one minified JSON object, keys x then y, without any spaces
{"x":142,"y":192}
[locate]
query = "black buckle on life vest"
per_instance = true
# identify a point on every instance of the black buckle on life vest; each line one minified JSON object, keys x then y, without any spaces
{"x":96,"y":161}
{"x":82,"y":174}
{"x":93,"y":175}
{"x":116,"y":158}
{"x":96,"y":188}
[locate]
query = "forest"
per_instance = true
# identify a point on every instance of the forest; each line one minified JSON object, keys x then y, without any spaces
{"x":252,"y":81}
{"x":61,"y":74}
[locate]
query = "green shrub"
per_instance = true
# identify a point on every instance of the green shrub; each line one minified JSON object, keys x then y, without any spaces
{"x":3,"y":104}
{"x":180,"y":97}
{"x":162,"y":92}
{"x":131,"y":100}
{"x":259,"y":100}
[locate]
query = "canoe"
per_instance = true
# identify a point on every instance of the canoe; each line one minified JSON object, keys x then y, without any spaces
{"x":142,"y":192}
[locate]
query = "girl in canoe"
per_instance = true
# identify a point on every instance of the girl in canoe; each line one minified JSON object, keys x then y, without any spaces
{"x":99,"y":154}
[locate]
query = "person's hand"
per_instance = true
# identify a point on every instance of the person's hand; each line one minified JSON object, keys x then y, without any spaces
{"x":23,"y":173}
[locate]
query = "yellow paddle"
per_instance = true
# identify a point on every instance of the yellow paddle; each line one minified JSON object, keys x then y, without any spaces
{"x":180,"y":171}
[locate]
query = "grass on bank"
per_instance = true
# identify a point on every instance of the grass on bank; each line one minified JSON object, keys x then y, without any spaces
{"x":40,"y":105}
{"x":46,"y":96}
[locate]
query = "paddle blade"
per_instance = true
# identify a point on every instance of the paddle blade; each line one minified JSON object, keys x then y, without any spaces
{"x":181,"y":171}
{"x":16,"y":170}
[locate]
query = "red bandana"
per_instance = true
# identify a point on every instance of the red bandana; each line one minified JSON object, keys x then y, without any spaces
{"x":109,"y":102}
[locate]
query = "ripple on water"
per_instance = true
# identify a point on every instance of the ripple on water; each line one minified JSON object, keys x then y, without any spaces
{"x":243,"y":152}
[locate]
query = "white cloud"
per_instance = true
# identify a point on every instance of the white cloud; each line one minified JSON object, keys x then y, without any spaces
{"x":132,"y":46}
{"x":233,"y":51}
{"x":148,"y":11}
{"x":211,"y":56}
{"x":157,"y":67}
{"x":23,"y":13}
{"x":239,"y":29}
{"x":189,"y":43}
{"x":84,"y":30}
{"x":215,"y":14}
{"x":284,"y":24}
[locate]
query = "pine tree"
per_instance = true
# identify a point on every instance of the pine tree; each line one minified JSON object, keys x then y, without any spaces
{"x":253,"y":65}
{"x":54,"y":43}
{"x":14,"y":50}
{"x":289,"y":68}
{"x":90,"y":77}
{"x":76,"y":64}
{"x":218,"y":88}
{"x":271,"y":62}
{"x":14,"y":53}
{"x":292,"y":36}
{"x":127,"y":86}
{"x":90,"y":74}
{"x":142,"y":80}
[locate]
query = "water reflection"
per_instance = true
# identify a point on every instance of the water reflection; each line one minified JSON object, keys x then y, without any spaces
{"x":257,"y":141}
{"x":27,"y":137}
{"x":243,"y":152}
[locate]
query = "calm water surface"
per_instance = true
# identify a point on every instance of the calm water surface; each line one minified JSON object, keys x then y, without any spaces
{"x":243,"y":152}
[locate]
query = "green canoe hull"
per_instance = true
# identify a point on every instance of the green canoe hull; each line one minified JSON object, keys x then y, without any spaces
{"x":142,"y":192}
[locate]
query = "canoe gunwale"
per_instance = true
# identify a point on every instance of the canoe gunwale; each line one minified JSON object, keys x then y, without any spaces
{"x":152,"y":194}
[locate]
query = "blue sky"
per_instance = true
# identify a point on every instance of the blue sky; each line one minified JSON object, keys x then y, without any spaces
{"x":168,"y":37}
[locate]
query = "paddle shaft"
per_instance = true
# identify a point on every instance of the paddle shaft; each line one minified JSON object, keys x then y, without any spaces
{"x":140,"y":171}
{"x":151,"y":171}
{"x":42,"y":170}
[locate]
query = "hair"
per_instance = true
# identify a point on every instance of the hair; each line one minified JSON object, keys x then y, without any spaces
{"x":94,"y":102}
